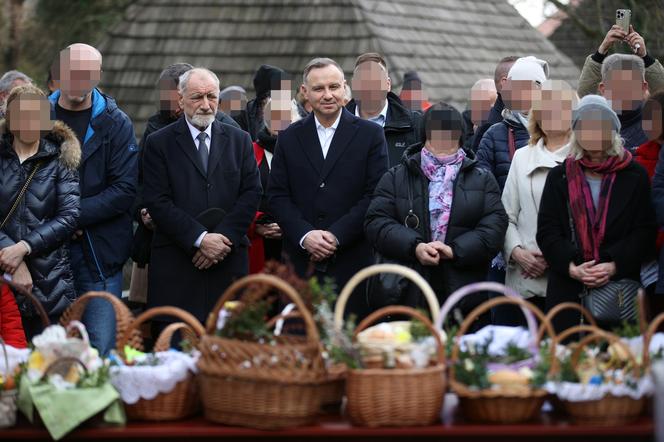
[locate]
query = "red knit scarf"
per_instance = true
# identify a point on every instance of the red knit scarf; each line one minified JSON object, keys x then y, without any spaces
{"x":590,"y":224}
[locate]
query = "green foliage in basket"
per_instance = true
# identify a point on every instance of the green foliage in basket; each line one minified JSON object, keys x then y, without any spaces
{"x":95,"y":378}
{"x":627,"y":329}
{"x":248,"y":321}
{"x":471,"y":366}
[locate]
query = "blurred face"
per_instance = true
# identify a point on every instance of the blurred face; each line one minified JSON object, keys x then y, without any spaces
{"x":482,"y":99}
{"x":277,"y":116}
{"x":80,"y":72}
{"x":30,"y":117}
{"x":200,"y":100}
{"x":555,"y":110}
{"x":652,"y":121}
{"x":282,"y":98}
{"x":169,"y":99}
{"x":519,"y":94}
{"x":324,"y":90}
{"x":413,"y":98}
{"x":370,"y":84}
{"x":594,"y":134}
{"x":234,"y":103}
{"x":624,"y":89}
{"x":446,"y":141}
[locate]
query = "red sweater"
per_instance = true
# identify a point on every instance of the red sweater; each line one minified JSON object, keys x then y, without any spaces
{"x":11,"y":326}
{"x":647,"y":155}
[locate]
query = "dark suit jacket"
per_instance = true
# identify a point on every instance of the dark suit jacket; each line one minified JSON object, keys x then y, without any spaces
{"x":308,"y":192}
{"x":176,"y":191}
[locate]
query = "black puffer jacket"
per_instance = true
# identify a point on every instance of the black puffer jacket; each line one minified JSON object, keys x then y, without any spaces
{"x":403,"y":127}
{"x":46,"y":217}
{"x":476,"y":230}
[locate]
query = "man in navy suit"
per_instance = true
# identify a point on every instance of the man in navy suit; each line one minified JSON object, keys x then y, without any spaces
{"x":324,"y":172}
{"x":202,"y":190}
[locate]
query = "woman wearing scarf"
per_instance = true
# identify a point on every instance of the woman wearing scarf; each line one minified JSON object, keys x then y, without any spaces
{"x":264,"y":232}
{"x":438,"y":212}
{"x":550,"y":129}
{"x":606,"y":196}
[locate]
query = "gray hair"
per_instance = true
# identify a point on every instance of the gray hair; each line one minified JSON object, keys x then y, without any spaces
{"x":184,"y":78}
{"x":174,"y":72}
{"x":622,"y":62}
{"x":617,"y":148}
{"x":318,"y":63}
{"x":10,"y":77}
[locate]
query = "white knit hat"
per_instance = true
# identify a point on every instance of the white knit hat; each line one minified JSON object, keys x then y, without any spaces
{"x":529,"y":68}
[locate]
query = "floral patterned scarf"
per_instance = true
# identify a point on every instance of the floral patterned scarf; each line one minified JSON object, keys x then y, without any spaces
{"x":441,"y":172}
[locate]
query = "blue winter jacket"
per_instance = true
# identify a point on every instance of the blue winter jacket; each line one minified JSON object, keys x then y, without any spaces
{"x":493,"y":152}
{"x":108,"y":178}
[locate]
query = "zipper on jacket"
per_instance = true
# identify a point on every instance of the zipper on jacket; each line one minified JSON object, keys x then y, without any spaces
{"x":94,"y":257}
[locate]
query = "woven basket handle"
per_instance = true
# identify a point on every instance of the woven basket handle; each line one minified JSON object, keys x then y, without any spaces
{"x":527,"y":307}
{"x":376,"y":269}
{"x":600,"y":335}
{"x":60,"y":361}
{"x":641,"y":309}
{"x":33,"y":300}
{"x":566,"y":306}
{"x":403,"y":310}
{"x":174,"y":312}
{"x":165,"y":338}
{"x":477,"y":287}
{"x":277,"y":283}
{"x":647,"y":337}
{"x":123,"y":316}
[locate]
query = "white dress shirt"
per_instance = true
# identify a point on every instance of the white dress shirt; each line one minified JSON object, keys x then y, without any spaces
{"x":325,"y":135}
{"x":379,"y":119}
{"x":194,"y":134}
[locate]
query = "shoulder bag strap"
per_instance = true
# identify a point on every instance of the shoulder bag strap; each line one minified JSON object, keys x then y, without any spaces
{"x":20,"y":195}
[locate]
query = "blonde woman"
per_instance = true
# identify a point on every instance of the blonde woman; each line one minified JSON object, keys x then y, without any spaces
{"x":596,"y":221}
{"x":34,"y":238}
{"x":549,"y":126}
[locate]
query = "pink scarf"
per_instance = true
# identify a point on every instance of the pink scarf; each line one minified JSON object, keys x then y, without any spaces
{"x":441,"y":172}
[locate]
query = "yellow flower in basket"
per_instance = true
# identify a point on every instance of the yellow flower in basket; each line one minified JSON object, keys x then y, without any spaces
{"x":36,"y":361}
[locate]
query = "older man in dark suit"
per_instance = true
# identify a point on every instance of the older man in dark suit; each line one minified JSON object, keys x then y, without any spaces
{"x":202,"y":190}
{"x":323,"y":174}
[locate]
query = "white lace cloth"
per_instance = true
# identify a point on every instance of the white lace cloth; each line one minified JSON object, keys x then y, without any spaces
{"x":636,"y":344}
{"x":502,"y":335}
{"x":575,"y":392}
{"x":15,"y":356}
{"x":147,"y":381}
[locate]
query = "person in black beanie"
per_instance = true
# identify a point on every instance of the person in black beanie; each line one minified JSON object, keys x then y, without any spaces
{"x":412,"y":93}
{"x":267,"y":79}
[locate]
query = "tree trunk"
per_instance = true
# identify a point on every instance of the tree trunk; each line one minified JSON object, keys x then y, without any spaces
{"x":15,"y":22}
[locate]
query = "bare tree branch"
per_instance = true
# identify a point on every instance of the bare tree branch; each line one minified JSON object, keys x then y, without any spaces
{"x":588,"y":30}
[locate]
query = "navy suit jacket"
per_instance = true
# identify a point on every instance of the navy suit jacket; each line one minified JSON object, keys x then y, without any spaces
{"x":308,"y":192}
{"x":177,"y":191}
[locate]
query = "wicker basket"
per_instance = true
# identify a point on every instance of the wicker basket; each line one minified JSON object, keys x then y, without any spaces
{"x":184,"y":400}
{"x":7,"y":397}
{"x":333,"y":385}
{"x":17,"y":289}
{"x":397,"y":397}
{"x":610,"y":410}
{"x":259,"y":385}
{"x":123,"y":316}
{"x":496,"y":405}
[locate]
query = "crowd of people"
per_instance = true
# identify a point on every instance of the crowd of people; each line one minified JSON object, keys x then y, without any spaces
{"x":550,"y":190}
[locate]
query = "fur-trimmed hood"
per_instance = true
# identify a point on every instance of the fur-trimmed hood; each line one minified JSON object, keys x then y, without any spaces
{"x":60,"y":138}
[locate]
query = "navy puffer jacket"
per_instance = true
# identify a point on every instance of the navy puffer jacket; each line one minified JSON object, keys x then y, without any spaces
{"x":46,"y":216}
{"x":493,"y":153}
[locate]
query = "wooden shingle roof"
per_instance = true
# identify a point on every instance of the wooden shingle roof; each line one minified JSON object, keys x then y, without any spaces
{"x":450,"y":43}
